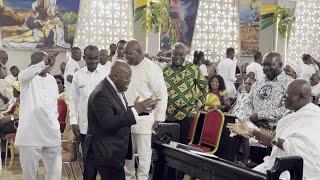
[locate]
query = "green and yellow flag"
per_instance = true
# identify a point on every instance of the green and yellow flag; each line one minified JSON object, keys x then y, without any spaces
{"x":267,"y":15}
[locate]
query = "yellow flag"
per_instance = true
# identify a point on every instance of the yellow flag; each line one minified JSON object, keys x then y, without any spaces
{"x":140,"y":3}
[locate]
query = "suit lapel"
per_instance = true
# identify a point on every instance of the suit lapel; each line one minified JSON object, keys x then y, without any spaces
{"x":114,"y":94}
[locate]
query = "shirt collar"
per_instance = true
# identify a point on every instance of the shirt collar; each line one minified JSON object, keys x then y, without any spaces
{"x":278,"y":78}
{"x":112,"y":84}
{"x":97,"y":70}
{"x":183,"y":64}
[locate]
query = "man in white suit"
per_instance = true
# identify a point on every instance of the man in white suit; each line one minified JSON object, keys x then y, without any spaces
{"x":227,"y":70}
{"x":147,"y":81}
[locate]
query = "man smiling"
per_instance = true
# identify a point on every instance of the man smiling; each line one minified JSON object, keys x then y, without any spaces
{"x":84,"y":81}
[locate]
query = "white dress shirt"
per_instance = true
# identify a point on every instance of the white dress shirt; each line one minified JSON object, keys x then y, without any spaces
{"x":227,"y":70}
{"x":203,"y":69}
{"x":257,"y":69}
{"x":38,"y":118}
{"x":315,"y":90}
{"x":306,"y":72}
{"x":135,"y":113}
{"x":5,"y":90}
{"x":71,"y":67}
{"x":10,"y":79}
{"x":146,"y":81}
{"x":107,"y":66}
{"x":83,"y":84}
{"x":300,"y":131}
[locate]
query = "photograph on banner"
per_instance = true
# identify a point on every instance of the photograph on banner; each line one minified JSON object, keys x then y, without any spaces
{"x":30,"y":24}
{"x":180,"y":27}
{"x":249,"y":13}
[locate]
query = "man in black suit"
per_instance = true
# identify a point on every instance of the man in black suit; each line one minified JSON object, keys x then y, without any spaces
{"x":109,"y":119}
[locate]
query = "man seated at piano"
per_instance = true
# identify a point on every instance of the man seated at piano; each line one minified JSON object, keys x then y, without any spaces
{"x":297,"y":134}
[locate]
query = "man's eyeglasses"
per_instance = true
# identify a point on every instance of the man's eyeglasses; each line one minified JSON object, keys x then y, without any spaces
{"x":128,"y":53}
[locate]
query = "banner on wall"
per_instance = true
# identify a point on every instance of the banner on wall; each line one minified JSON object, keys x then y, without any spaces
{"x":181,"y":26}
{"x":268,"y":15}
{"x":249,"y":13}
{"x":29,"y":24}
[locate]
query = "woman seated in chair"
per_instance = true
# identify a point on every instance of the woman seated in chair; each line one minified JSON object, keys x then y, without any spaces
{"x":62,"y":103}
{"x":217,"y":97}
{"x":9,"y":119}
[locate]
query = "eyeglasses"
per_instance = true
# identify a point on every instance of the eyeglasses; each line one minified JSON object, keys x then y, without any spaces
{"x":128,"y":53}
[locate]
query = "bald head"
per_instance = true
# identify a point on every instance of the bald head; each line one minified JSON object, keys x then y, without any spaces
{"x":298,"y":94}
{"x":119,"y":67}
{"x":133,"y":52}
{"x":120,"y":74}
{"x":37,"y":57}
{"x":3,"y":57}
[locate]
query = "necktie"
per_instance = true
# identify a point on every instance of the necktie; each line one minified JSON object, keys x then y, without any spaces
{"x":125,"y":99}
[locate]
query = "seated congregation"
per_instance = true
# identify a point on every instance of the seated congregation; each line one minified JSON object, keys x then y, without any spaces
{"x":101,"y":117}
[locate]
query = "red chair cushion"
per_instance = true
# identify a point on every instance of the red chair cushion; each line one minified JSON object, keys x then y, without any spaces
{"x":211,"y":128}
{"x":62,"y":110}
{"x":203,"y":148}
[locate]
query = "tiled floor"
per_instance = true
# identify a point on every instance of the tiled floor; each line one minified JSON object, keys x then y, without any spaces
{"x":16,"y":172}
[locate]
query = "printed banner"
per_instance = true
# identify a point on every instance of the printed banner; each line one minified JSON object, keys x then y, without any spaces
{"x":29,"y":24}
{"x":249,"y":12}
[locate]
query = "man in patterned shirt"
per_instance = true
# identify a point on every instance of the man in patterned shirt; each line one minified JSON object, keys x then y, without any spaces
{"x":265,"y":106}
{"x":187,"y":90}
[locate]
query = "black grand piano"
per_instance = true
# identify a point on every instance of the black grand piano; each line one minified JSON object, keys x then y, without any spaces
{"x":182,"y":158}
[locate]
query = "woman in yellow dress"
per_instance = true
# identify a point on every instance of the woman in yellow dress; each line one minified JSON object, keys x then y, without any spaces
{"x":217,"y":97}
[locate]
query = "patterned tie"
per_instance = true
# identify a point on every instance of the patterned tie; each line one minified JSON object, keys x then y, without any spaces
{"x":125,"y":99}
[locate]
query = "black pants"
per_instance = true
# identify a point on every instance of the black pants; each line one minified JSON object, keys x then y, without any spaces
{"x":91,"y":167}
{"x":82,"y":139}
{"x":8,"y":128}
{"x":258,"y":153}
{"x":185,"y":125}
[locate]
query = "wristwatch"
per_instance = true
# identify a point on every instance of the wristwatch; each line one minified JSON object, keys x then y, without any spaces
{"x":275,"y":141}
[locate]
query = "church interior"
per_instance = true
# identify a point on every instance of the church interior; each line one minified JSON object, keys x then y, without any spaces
{"x":159,"y":89}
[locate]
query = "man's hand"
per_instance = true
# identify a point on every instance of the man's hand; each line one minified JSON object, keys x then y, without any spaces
{"x":76,"y":130}
{"x":254,"y":118}
{"x":49,"y":60}
{"x":239,"y":128}
{"x":143,"y":105}
{"x":155,"y":125}
{"x":264,"y":137}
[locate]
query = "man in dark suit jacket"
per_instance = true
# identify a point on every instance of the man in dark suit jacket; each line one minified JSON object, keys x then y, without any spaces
{"x":109,"y":120}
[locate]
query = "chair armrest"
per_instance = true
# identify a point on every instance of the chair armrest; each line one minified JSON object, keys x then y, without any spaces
{"x":293,"y":164}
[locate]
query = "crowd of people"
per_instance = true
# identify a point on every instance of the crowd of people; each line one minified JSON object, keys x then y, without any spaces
{"x":115,"y":102}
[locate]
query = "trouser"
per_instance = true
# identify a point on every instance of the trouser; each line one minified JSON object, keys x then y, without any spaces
{"x":258,"y":153}
{"x":141,"y":143}
{"x":185,"y":125}
{"x":51,"y":157}
{"x":82,"y":139}
{"x":106,"y":172}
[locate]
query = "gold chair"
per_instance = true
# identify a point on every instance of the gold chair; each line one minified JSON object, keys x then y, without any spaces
{"x":9,"y":139}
